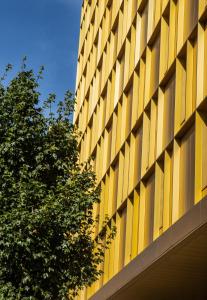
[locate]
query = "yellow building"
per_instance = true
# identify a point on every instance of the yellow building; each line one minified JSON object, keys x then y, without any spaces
{"x":142,"y":110}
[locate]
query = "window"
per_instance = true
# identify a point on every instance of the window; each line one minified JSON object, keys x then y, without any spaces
{"x":113,"y":138}
{"x":126,"y":172}
{"x":159,"y":198}
{"x":168,"y":189}
{"x":187,"y":170}
{"x":191,"y":15}
{"x":114,"y":39}
{"x":204,"y":154}
{"x":164,"y":44}
{"x":114,"y":186}
{"x":119,"y":79}
{"x":119,"y":127}
{"x":135,"y":159}
{"x":126,"y":113}
{"x":201,"y":154}
{"x":123,"y":216}
{"x":108,"y":148}
{"x":135,"y":98}
{"x":150,"y":134}
{"x":153,"y":131}
{"x":149,"y":208}
{"x":155,"y":61}
{"x":138,"y":153}
{"x":181,"y":87}
{"x":112,"y":252}
{"x":191,"y":76}
{"x":146,"y":141}
{"x":120,"y":29}
{"x":120,"y":178}
{"x":135,"y":227}
{"x":144,"y":25}
{"x":127,"y":59}
{"x":169,"y":107}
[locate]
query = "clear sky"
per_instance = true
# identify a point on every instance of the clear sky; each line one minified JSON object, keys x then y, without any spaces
{"x":47,"y":32}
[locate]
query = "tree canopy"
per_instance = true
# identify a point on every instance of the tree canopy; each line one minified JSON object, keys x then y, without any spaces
{"x":46,"y":197}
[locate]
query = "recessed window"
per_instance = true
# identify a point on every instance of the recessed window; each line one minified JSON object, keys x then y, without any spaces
{"x":123,"y":216}
{"x":187,"y":170}
{"x":169,"y":108}
{"x":149,"y":209}
{"x":155,"y":63}
{"x":144,"y":25}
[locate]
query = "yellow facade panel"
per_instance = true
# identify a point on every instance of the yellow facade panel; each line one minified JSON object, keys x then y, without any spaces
{"x":187,"y":171}
{"x":164,"y":46}
{"x":141,"y":108}
{"x":126,"y":172}
{"x":135,"y":99}
{"x":176,"y":183}
{"x":202,"y":7}
{"x":141,"y":225}
{"x":198,"y":154}
{"x":135,"y":227}
{"x":153,"y":132}
{"x":168,"y":189}
{"x":112,"y":254}
{"x":122,"y":240}
{"x":160,"y":123}
{"x":191,"y":76}
{"x":129,"y":224}
{"x":159,"y":200}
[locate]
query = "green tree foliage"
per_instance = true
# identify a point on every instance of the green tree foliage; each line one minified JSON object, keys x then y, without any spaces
{"x":46,"y":197}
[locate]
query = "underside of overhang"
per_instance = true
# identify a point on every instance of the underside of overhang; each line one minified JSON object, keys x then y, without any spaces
{"x":172,"y":267}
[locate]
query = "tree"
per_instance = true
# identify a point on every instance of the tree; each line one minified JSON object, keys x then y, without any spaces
{"x":46,"y":197}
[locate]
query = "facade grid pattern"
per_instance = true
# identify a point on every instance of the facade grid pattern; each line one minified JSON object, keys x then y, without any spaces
{"x":142,"y":112}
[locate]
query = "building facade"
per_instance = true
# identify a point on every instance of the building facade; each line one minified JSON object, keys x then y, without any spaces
{"x":142,"y":110}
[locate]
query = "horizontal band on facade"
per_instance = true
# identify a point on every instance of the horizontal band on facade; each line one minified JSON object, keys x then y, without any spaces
{"x":173,"y":267}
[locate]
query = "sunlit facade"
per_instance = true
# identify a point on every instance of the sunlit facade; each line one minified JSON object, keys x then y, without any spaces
{"x":142,"y":110}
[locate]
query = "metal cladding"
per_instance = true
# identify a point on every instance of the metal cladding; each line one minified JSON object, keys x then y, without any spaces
{"x":142,"y":112}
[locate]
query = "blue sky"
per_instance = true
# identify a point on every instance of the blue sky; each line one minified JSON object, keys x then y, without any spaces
{"x":47,"y":32}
